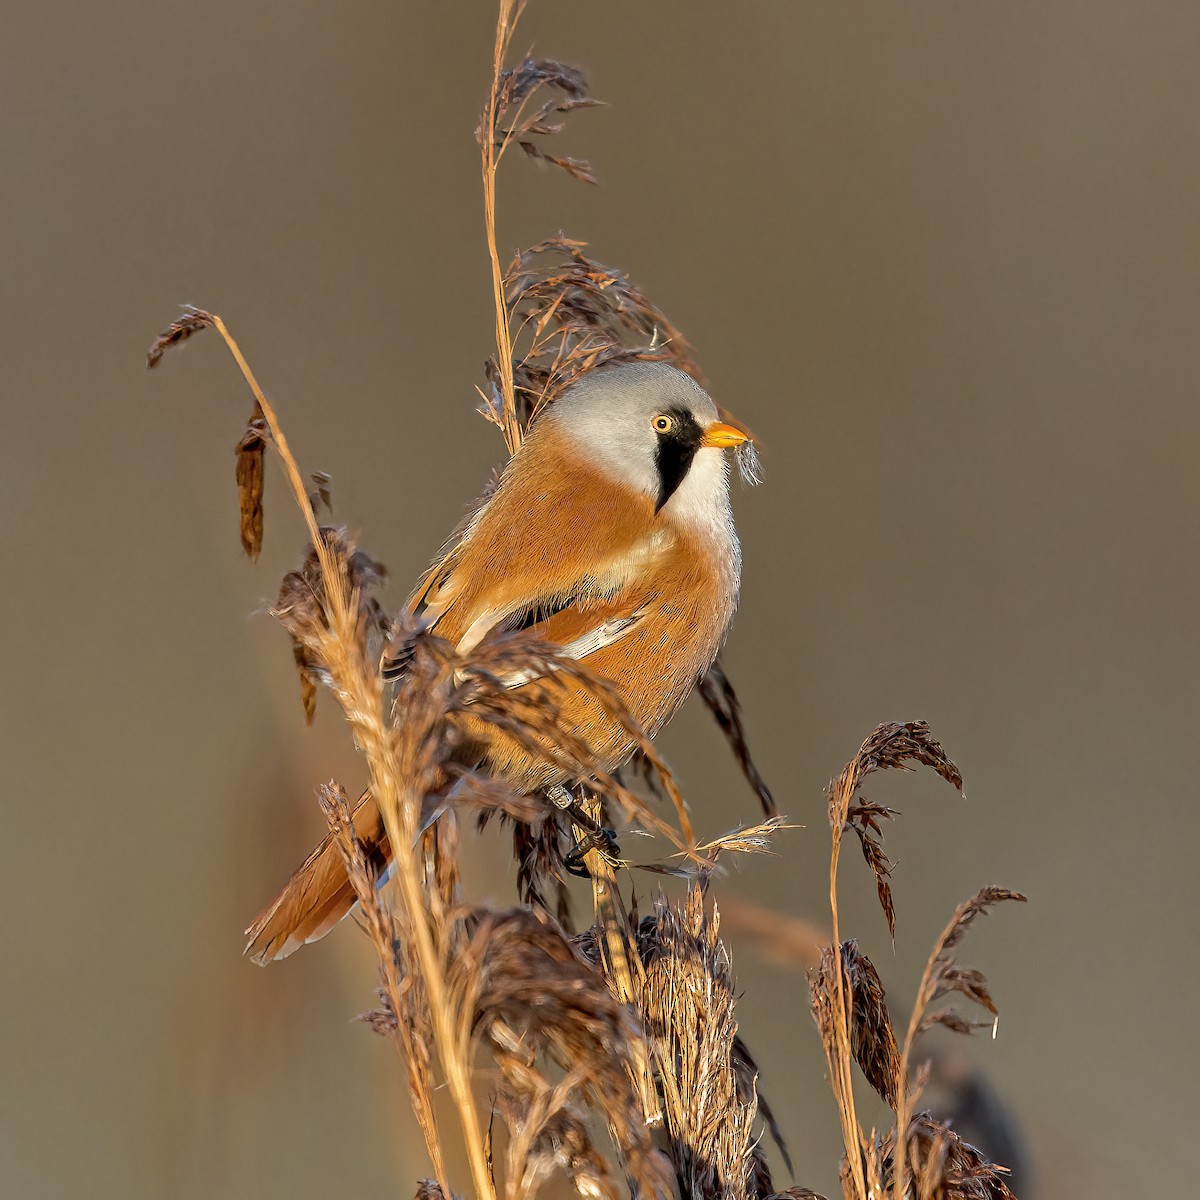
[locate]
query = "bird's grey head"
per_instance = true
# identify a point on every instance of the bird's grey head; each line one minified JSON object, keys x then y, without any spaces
{"x":650,"y":426}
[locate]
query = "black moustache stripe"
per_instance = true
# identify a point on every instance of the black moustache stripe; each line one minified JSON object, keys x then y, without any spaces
{"x":674,"y":453}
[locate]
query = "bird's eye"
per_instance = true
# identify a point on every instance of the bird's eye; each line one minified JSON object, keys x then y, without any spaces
{"x":663,"y":424}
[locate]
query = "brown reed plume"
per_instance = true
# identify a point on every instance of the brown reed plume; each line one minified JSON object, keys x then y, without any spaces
{"x":851,"y":1012}
{"x":686,"y":1000}
{"x":613,"y":1055}
{"x":441,"y":960}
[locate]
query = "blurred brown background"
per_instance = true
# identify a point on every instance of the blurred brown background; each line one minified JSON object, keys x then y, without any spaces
{"x":942,"y":256}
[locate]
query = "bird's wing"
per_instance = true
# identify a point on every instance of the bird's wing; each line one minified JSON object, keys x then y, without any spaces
{"x":557,"y":550}
{"x":581,"y":618}
{"x":582,"y":630}
{"x":437,"y":590}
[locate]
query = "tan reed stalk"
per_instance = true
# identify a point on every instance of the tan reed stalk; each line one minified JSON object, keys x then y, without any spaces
{"x":851,"y":1009}
{"x":360,"y":692}
{"x":619,"y":958}
{"x":506,"y":20}
{"x":381,"y":931}
{"x":620,"y":954}
{"x":942,"y":975}
{"x":839,"y":1056}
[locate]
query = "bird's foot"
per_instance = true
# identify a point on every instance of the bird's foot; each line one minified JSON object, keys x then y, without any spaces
{"x":603,"y":841}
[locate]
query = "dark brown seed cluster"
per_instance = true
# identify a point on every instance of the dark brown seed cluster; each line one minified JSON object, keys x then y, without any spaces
{"x":944,"y":977}
{"x":302,"y":607}
{"x":571,"y":314}
{"x":515,"y":121}
{"x":251,"y":453}
{"x":851,"y":1012}
{"x":560,"y":1041}
{"x":890,"y":747}
{"x":941,"y":1165}
{"x":872,"y":1040}
{"x":192,"y":321}
{"x":708,"y":1081}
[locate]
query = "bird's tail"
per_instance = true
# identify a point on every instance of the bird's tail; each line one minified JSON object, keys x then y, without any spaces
{"x":319,"y":894}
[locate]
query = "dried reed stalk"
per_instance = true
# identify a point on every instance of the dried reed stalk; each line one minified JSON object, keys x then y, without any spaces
{"x":452,"y":974}
{"x":506,"y":19}
{"x":527,"y":297}
{"x":941,"y":977}
{"x":619,"y":957}
{"x":335,"y":637}
{"x":628,"y":1024}
{"x":851,"y":1013}
{"x":686,"y":997}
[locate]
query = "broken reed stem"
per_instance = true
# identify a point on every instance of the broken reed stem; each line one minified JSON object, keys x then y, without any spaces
{"x":904,"y":1098}
{"x":618,"y":955}
{"x":839,"y":1060}
{"x":452,"y":1044}
{"x":509,"y":14}
{"x":904,"y":1095}
{"x":382,"y":933}
{"x":362,"y":700}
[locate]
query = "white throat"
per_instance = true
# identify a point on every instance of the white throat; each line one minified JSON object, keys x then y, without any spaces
{"x":701,"y":501}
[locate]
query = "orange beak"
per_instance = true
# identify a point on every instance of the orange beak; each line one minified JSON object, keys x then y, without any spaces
{"x":722,"y":436}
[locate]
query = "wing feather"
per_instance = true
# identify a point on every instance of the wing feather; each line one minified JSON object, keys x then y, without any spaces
{"x":557,"y":549}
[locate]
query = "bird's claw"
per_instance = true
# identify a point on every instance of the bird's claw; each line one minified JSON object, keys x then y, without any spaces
{"x":603,"y":841}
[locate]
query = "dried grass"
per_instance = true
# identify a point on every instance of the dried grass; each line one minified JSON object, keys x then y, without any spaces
{"x":686,"y":1002}
{"x":612,"y":1057}
{"x":851,"y":1012}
